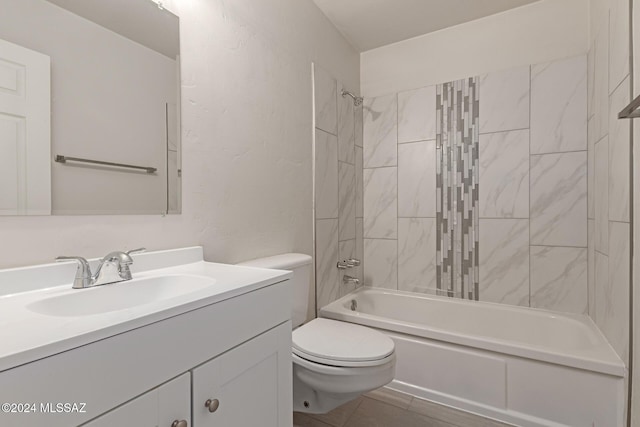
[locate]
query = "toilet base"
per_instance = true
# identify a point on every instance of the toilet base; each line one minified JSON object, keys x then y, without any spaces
{"x":318,"y":389}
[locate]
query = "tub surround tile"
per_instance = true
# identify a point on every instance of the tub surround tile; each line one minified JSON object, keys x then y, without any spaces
{"x":327,"y":253}
{"x":359,"y":185}
{"x":601,"y":196}
{"x":347,"y":200}
{"x":380,"y":203}
{"x":360,"y":250}
{"x":325,"y":100}
{"x":591,"y":283}
{"x":346,"y":251}
{"x":559,"y":279}
{"x":614,"y":321}
{"x":358,"y":126}
{"x":619,"y":154}
{"x":346,"y":128}
{"x":504,"y":174}
{"x":417,"y":179}
{"x":417,"y":115}
{"x":559,"y":106}
{"x":417,"y":254}
{"x":326,"y":179}
{"x":504,"y":100}
{"x":504,"y":261}
{"x":559,"y":199}
{"x":618,"y":43}
{"x":380,"y":131}
{"x":591,"y":175}
{"x":381,"y":263}
{"x":601,"y":288}
{"x":601,"y":83}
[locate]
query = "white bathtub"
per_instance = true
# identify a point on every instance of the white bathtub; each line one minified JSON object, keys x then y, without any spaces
{"x":518,"y":365}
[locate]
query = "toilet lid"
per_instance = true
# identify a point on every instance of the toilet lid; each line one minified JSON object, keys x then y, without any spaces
{"x":331,"y":340}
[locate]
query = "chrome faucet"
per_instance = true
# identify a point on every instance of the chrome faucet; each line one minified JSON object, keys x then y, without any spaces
{"x":348,"y":279}
{"x":113,"y":268}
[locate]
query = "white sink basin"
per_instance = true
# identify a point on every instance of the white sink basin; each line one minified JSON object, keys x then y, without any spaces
{"x":120,"y":296}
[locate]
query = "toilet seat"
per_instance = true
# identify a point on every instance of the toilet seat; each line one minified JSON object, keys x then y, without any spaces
{"x":341,"y":344}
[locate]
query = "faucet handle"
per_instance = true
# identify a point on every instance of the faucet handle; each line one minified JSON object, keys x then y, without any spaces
{"x":83,"y":274}
{"x":352,"y":262}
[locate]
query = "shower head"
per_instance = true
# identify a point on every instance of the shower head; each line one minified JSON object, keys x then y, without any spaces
{"x":357,"y":100}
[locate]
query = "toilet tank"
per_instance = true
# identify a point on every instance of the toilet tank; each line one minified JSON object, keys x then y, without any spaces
{"x":300,"y":265}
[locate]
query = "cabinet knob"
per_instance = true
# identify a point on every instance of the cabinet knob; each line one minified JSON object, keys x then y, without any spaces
{"x":181,"y":423}
{"x":212,"y":405}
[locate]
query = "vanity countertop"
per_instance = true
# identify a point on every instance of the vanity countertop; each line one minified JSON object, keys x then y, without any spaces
{"x":27,"y":335}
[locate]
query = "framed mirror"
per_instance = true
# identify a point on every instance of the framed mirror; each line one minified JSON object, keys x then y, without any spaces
{"x":89,"y":108}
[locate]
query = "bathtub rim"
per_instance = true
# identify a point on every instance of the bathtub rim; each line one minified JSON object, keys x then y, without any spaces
{"x":612,"y":365}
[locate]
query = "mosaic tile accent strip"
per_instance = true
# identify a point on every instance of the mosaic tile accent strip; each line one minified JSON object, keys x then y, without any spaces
{"x":457,"y":179}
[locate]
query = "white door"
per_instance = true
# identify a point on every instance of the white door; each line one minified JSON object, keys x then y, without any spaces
{"x":248,"y":386}
{"x":25,"y":131}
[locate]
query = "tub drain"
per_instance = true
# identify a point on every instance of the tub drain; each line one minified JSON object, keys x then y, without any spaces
{"x":354,"y":305}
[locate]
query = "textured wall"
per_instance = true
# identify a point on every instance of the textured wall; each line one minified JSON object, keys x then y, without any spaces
{"x":247,"y":140}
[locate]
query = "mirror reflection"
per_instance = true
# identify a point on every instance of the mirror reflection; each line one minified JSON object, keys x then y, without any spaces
{"x":89,"y":108}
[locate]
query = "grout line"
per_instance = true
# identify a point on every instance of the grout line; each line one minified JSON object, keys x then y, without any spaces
{"x":511,"y":130}
{"x":559,"y":246}
{"x":380,"y":167}
{"x":529,"y":224}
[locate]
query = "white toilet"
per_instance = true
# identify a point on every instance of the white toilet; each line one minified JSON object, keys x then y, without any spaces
{"x":333,"y":362}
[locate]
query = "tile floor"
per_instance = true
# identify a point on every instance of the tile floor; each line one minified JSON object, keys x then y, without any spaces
{"x":388,"y":408}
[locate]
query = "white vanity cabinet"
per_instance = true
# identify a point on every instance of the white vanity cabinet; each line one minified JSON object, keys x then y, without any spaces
{"x":246,"y":385}
{"x":166,"y":406}
{"x":236,"y":350}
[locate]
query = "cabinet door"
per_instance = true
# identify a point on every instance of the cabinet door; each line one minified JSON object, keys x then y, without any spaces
{"x":160,"y":407}
{"x":249,"y":385}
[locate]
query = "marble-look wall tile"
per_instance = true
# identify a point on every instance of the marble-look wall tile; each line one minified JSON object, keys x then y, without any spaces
{"x":591,"y":79}
{"x":417,"y":114}
{"x":380,"y":203}
{"x":327,"y":252}
{"x":559,"y":106}
{"x":360,"y":250}
{"x":591,"y":282}
{"x":417,"y":179}
{"x":380,"y":132}
{"x":358,"y":111}
{"x":601,"y":196}
{"x":347,"y":201}
{"x":559,"y":278}
{"x":591,"y":171}
{"x":417,"y":254}
{"x":601,"y":286}
{"x":613,"y":303}
{"x":618,"y":42}
{"x":504,"y":100}
{"x":504,"y":174}
{"x":359,"y":185}
{"x":326,"y":175}
{"x":325,"y":100}
{"x":346,"y":127}
{"x":619,"y":155}
{"x":381,"y":263}
{"x":559,"y":199}
{"x":601,"y":83}
{"x":347,"y":250}
{"x":504,"y":261}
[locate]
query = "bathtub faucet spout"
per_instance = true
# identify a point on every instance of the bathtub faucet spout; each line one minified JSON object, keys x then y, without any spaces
{"x":348,"y":279}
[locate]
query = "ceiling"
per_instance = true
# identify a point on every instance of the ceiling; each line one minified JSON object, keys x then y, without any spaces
{"x":368,"y":24}
{"x":140,"y":20}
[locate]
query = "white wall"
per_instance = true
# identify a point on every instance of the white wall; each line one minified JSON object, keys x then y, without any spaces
{"x":108,"y":103}
{"x":543,"y":31}
{"x":247,"y":132}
